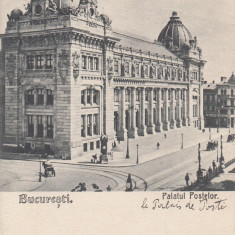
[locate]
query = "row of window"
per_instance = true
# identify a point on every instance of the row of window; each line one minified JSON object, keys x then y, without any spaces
{"x":90,"y":96}
{"x":148,"y":71}
{"x":147,"y":95}
{"x":90,"y":63}
{"x":37,"y":97}
{"x":39,"y":61}
{"x":92,"y":146}
{"x":89,"y":125}
{"x":40,"y":126}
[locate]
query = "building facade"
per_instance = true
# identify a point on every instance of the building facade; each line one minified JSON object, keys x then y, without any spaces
{"x":219,"y":103}
{"x":69,"y":79}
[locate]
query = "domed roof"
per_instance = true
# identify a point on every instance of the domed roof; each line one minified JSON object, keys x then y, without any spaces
{"x":16,"y":13}
{"x":70,"y":3}
{"x":232,"y":79}
{"x":175,"y":34}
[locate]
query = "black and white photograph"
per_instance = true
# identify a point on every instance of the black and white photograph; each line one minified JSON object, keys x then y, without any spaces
{"x":117,"y":96}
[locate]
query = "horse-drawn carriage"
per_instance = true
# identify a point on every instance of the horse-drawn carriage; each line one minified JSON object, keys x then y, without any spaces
{"x":231,"y":138}
{"x":48,"y":169}
{"x":211,"y":145}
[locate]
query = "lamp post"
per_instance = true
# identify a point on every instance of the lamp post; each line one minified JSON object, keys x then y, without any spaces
{"x":221,"y":147}
{"x":127,"y":148}
{"x":182,"y":140}
{"x":217,"y":151}
{"x":40,"y":170}
{"x":199,"y":172}
{"x":210,"y":134}
{"x":137,"y":160}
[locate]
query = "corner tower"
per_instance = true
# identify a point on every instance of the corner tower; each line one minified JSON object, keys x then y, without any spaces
{"x":178,"y":39}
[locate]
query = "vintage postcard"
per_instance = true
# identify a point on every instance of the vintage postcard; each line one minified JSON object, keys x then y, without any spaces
{"x":115,"y":97}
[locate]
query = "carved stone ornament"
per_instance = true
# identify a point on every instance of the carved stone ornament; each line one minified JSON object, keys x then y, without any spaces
{"x":160,"y":72}
{"x":110,"y":64}
{"x":75,"y":61}
{"x":10,"y":68}
{"x":107,"y":22}
{"x":51,"y":6}
{"x":63,"y":65}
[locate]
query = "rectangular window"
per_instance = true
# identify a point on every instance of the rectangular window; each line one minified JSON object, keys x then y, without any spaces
{"x":95,"y":124}
{"x":30,"y":126}
{"x":85,"y":147}
{"x":137,"y":95}
{"x":146,"y":95}
{"x":137,"y":69}
{"x":96,"y":97}
{"x":29,"y":98}
{"x":232,"y":111}
{"x":96,"y":64}
{"x":90,"y":63}
{"x":127,"y":68}
{"x":83,"y":134}
{"x":232,"y":102}
{"x":89,"y":125}
{"x":83,"y":97}
{"x":89,"y":96}
{"x":116,"y":68}
{"x":39,"y":62}
{"x":49,"y":61}
{"x":30,"y":62}
{"x":154,"y":95}
{"x":50,"y":127}
{"x":116,"y":95}
{"x":127,"y":95}
{"x":84,"y":62}
{"x":97,"y":144}
{"x":50,"y":97}
{"x":40,"y":99}
{"x":39,"y":127}
{"x":91,"y":145}
{"x":231,"y":92}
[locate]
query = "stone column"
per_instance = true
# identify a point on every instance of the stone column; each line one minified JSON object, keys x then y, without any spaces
{"x":35,"y":123}
{"x":45,"y":97}
{"x":158,"y":126}
{"x":150,"y":113}
{"x":123,"y":131}
{"x":35,"y":97}
{"x":185,"y":119}
{"x":44,"y":122}
{"x":133,"y":130}
{"x":142,"y":128}
{"x":166,"y":121}
{"x":179,"y":116}
{"x":173,"y":104}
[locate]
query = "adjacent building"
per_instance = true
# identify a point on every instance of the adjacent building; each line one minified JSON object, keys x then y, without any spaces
{"x":70,"y":80}
{"x":219,"y":103}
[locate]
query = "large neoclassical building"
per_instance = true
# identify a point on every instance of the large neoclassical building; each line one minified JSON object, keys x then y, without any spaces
{"x":69,"y":79}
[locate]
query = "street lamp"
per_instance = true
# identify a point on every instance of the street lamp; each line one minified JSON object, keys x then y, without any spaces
{"x":210,"y":134}
{"x":137,"y":160}
{"x":127,"y":148}
{"x":221,"y":147}
{"x":182,"y":140}
{"x":199,"y":172}
{"x":217,"y":151}
{"x":40,"y":170}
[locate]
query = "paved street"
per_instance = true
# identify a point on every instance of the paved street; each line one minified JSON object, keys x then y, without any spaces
{"x":164,"y":173}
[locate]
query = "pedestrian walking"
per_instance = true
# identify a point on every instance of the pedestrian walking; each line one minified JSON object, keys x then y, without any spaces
{"x":187,"y":179}
{"x":165,"y":136}
{"x":213,"y":165}
{"x":158,"y":145}
{"x":210,"y":172}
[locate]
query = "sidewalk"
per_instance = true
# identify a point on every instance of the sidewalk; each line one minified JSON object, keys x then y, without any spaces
{"x":147,"y":148}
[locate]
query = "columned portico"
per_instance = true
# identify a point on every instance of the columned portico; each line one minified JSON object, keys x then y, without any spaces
{"x":158,"y":126}
{"x":173,"y":105}
{"x":179,"y":108}
{"x":142,"y":128}
{"x":133,"y":130}
{"x":150,"y":112}
{"x":166,"y":111}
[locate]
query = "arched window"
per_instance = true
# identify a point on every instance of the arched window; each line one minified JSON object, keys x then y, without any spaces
{"x":127,"y":95}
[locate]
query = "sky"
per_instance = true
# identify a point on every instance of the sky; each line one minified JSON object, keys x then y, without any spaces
{"x":212,"y":21}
